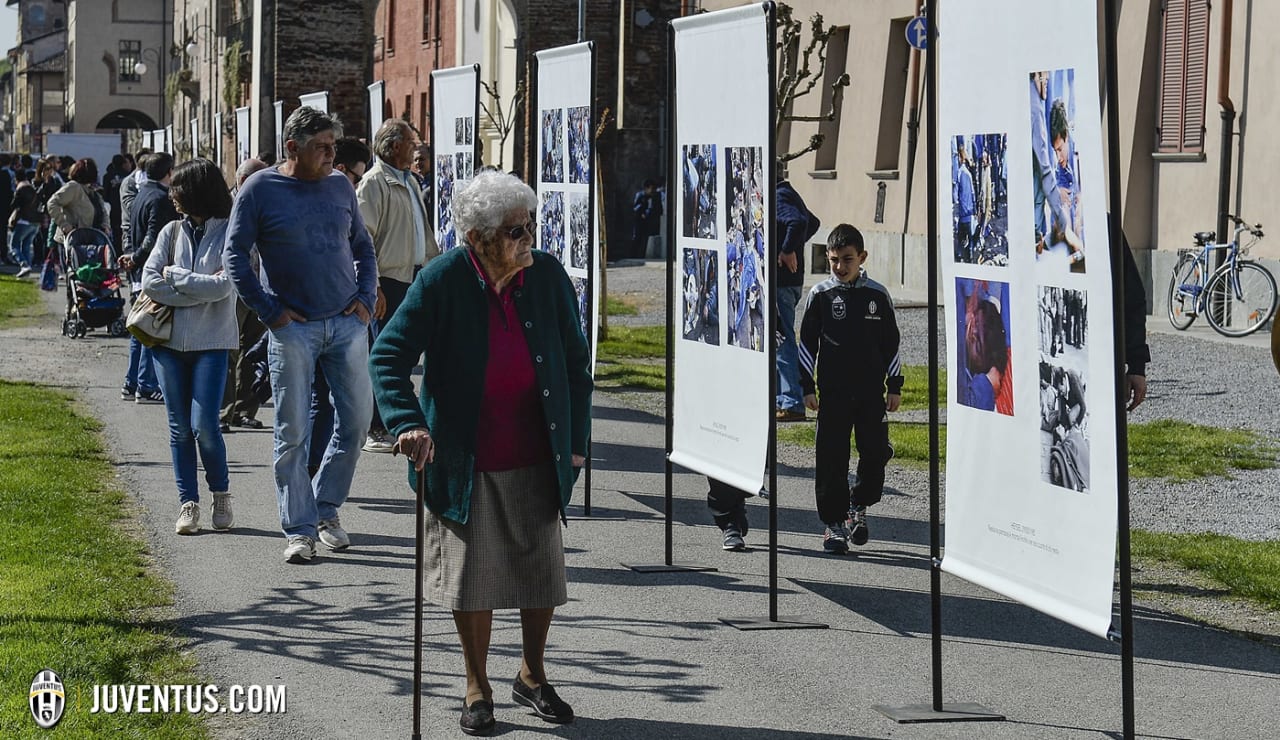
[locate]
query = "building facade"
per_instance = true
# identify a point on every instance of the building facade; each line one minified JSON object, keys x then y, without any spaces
{"x":39,"y":62}
{"x":117,"y":62}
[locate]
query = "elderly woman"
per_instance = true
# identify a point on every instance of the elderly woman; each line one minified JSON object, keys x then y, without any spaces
{"x":185,"y":271}
{"x":500,"y":429}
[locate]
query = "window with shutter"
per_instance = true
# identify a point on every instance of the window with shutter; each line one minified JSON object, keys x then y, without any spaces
{"x":1184,"y":71}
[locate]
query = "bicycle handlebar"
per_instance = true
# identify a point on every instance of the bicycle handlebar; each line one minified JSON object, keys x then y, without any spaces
{"x":1255,"y":229}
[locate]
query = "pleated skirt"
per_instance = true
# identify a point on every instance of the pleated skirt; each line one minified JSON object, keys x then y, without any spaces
{"x":509,"y":554}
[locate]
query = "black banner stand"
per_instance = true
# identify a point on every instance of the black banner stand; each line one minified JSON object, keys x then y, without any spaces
{"x":773,"y":622}
{"x":937,"y":711}
{"x":419,"y":520}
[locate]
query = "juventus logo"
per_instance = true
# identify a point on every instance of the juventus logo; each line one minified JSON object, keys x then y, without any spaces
{"x":46,"y":699}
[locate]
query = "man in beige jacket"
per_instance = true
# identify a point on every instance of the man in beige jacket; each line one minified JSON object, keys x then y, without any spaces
{"x":391,"y":204}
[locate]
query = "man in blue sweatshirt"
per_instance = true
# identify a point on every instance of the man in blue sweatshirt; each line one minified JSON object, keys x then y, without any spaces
{"x":318,"y":287}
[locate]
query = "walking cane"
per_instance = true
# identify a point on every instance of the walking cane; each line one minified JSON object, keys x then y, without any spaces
{"x":417,"y":604}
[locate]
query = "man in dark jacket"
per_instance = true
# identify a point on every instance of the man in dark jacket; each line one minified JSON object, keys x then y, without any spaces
{"x":796,"y":226}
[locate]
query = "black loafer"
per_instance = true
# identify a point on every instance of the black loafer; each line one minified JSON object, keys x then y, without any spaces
{"x":477,"y":719}
{"x":543,"y":701}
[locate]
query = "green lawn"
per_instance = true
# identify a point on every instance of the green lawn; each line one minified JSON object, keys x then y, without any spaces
{"x":619,"y":307}
{"x":76,"y":594}
{"x":1181,"y":451}
{"x":19,"y":300}
{"x":1249,"y":569}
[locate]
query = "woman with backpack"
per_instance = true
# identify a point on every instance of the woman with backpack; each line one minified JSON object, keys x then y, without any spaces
{"x":78,"y":204}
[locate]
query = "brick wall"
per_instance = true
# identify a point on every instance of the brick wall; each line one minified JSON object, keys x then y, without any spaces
{"x":404,"y":53}
{"x":326,"y":45}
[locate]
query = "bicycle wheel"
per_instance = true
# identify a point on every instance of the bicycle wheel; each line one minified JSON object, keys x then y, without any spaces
{"x":1240,"y":301}
{"x":1184,"y":290}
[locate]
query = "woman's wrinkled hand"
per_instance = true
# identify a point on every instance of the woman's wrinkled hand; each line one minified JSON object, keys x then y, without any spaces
{"x":579,"y":461}
{"x":417,"y":445}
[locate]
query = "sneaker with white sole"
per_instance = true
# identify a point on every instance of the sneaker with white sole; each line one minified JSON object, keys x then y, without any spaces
{"x":333,"y":535}
{"x":836,"y":539}
{"x":859,"y":533}
{"x":222,"y":516}
{"x":127,"y":393}
{"x":24,"y":271}
{"x":188,"y":519}
{"x":150,"y":396}
{"x":378,"y":441}
{"x":300,"y":549}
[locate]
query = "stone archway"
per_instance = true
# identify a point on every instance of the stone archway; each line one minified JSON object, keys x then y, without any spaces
{"x":126,"y":118}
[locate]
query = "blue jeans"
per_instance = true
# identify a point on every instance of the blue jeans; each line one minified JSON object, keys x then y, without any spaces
{"x":20,"y":239}
{"x":141,"y":375}
{"x":192,"y":383}
{"x":790,"y":397}
{"x":340,"y":345}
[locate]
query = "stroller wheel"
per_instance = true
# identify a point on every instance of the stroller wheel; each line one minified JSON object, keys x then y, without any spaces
{"x":81,"y":330}
{"x":66,"y":327}
{"x":117,"y":328}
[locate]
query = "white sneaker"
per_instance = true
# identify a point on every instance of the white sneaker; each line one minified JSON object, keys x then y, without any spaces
{"x":188,"y":519}
{"x":333,"y":535}
{"x":377,"y":442}
{"x":300,"y":549}
{"x":222,"y":516}
{"x":24,"y":271}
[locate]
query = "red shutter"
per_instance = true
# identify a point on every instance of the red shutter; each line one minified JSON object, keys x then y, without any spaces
{"x":1196,"y":75}
{"x":1172,"y":47}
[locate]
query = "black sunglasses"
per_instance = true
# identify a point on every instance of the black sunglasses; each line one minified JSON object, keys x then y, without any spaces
{"x":516,"y":233}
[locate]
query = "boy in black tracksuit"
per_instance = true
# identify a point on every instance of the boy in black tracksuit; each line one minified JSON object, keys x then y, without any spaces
{"x":849,"y":342}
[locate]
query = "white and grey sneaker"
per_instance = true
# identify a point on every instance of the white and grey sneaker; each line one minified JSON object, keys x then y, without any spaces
{"x":188,"y":519}
{"x":333,"y":535}
{"x":300,"y":549}
{"x":378,"y":441}
{"x":222,"y":516}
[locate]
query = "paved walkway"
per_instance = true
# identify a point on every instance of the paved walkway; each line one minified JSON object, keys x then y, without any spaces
{"x":639,"y":656}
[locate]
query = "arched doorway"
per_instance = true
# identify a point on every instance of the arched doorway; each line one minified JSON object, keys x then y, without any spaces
{"x":126,"y":118}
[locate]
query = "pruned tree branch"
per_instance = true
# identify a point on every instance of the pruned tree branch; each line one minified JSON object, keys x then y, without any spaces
{"x":810,"y":70}
{"x":502,"y":121}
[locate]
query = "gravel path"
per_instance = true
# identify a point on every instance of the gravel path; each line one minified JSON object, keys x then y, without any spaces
{"x":1194,"y":376}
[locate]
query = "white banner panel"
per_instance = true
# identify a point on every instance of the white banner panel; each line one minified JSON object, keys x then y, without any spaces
{"x":168,"y":138}
{"x":724,"y":319}
{"x":242,"y":135}
{"x":217,"y":139}
{"x":565,"y":176}
{"x":146,"y":141}
{"x":195,"y":138}
{"x":1031,"y":464}
{"x":455,"y":111}
{"x":377,"y":94}
{"x":278,"y":107}
{"x":317,"y":100}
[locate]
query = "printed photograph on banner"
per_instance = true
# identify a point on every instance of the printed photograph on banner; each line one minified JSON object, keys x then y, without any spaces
{"x":445,"y":238}
{"x":552,"y":169}
{"x":744,"y":246}
{"x":1064,"y":363}
{"x":984,"y":361}
{"x":1064,"y":332}
{"x":579,"y":229}
{"x":980,"y":199}
{"x":580,"y":289}
{"x":580,"y":145}
{"x":699,"y":191}
{"x":1055,"y":164}
{"x":459,"y":131}
{"x":551,"y":224}
{"x":468,"y":130}
{"x":701,"y":296}
{"x":464,"y":165}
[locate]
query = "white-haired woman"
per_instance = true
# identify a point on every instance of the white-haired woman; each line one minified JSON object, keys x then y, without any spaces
{"x":500,"y":429}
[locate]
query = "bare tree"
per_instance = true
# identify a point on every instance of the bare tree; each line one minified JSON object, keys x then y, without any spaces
{"x":503,"y":121}
{"x":799,"y":74}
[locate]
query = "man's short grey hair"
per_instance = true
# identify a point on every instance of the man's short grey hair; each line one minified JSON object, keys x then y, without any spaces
{"x":305,"y":122}
{"x":248,"y":167}
{"x":487,"y":200}
{"x":391,"y":133}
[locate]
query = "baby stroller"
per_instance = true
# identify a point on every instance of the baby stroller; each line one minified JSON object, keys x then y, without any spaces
{"x":93,"y":285}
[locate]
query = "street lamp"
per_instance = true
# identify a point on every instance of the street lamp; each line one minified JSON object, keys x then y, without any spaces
{"x":140,"y":68}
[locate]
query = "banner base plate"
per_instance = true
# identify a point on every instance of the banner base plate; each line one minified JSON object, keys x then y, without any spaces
{"x":764,"y":623}
{"x":959,"y":712}
{"x":672,"y":568}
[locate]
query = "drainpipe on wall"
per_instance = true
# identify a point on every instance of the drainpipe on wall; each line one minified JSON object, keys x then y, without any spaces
{"x":1228,"y":123}
{"x":913,"y":130}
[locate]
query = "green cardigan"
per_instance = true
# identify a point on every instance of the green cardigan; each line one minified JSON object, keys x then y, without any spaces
{"x":445,"y":320}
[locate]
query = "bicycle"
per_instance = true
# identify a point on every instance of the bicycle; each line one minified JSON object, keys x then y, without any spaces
{"x":1237,"y":298}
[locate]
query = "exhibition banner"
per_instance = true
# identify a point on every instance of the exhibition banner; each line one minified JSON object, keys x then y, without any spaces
{"x":1032,"y":479}
{"x":723,"y":208}
{"x":168,"y":138}
{"x":564,"y":174}
{"x":278,"y":108}
{"x":242,"y":135}
{"x":377,"y":94}
{"x":455,"y":111}
{"x":217,"y":139}
{"x":195,"y":138}
{"x":317,"y":100}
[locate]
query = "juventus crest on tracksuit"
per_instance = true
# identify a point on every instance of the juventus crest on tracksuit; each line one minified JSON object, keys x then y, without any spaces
{"x":849,"y":345}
